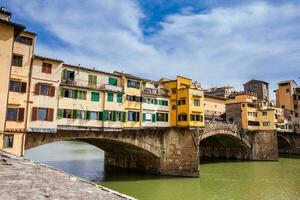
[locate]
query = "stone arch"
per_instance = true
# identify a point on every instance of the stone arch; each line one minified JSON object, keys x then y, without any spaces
{"x":148,"y":144}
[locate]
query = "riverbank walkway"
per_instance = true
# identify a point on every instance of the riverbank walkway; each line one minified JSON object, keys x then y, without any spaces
{"x":24,"y":179}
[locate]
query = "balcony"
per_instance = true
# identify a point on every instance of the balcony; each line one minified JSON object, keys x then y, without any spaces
{"x":112,"y":88}
{"x":152,"y":91}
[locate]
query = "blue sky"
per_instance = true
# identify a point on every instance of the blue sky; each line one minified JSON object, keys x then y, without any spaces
{"x":215,"y":42}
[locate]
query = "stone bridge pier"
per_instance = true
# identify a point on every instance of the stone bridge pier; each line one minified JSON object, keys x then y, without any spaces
{"x":172,"y":152}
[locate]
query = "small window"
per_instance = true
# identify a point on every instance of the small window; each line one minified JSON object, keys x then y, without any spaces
{"x":8,"y":141}
{"x":133,"y":84}
{"x":110,"y":97}
{"x":181,"y":102}
{"x":94,"y":116}
{"x":44,"y":90}
{"x":24,"y":40}
{"x":266,"y":123}
{"x":47,"y":68}
{"x":12,"y":114}
{"x":92,"y":80}
{"x":95,"y":96}
{"x":133,"y":116}
{"x":174,"y":107}
{"x":264,"y":113}
{"x":67,"y":114}
{"x":287,"y":90}
{"x":17,"y":60}
{"x":120,"y":98}
{"x":173,"y":90}
{"x":68,"y":75}
{"x":196,"y":102}
{"x":42,"y":114}
{"x":112,"y":81}
{"x":162,"y":117}
{"x":182,"y":117}
{"x":16,"y":86}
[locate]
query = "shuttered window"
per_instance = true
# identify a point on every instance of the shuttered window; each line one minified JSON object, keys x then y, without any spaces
{"x":17,"y":60}
{"x":95,"y":96}
{"x":8,"y":141}
{"x":44,"y":89}
{"x":47,"y":68}
{"x":110,"y":97}
{"x":92,"y":80}
{"x":112,"y":81}
{"x":15,"y":114}
{"x":120,"y":98}
{"x":17,"y":86}
{"x":42,"y":114}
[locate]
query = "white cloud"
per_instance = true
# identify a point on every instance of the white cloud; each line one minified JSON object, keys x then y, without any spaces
{"x":226,"y":45}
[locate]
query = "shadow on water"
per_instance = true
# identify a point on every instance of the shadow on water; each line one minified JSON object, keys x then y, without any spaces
{"x":205,"y":160}
{"x":292,"y":156}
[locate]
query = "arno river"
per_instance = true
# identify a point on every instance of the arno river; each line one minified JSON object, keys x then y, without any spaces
{"x":218,"y":180}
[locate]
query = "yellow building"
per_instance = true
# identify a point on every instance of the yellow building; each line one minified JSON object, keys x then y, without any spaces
{"x":253,"y":116}
{"x":16,"y":52}
{"x":132,"y":104}
{"x":186,"y":102}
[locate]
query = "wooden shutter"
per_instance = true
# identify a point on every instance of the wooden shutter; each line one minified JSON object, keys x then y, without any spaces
{"x":60,"y":113}
{"x":37,"y":89}
{"x":105,"y":115}
{"x":88,"y":115}
{"x":123,"y":116}
{"x":51,"y":91}
{"x":21,"y":114}
{"x":34,"y":114}
{"x":153,"y":117}
{"x":144,"y":117}
{"x":50,"y":112}
{"x":167,"y":117}
{"x":23,"y":87}
{"x":100,"y":116}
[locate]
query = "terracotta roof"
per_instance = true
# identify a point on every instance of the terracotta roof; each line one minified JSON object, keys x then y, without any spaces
{"x":30,"y":32}
{"x":46,"y":58}
{"x":18,"y":28}
{"x":4,"y":11}
{"x":89,"y":69}
{"x":128,"y":75}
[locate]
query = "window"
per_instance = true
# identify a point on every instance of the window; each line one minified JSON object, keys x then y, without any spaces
{"x":8,"y":141}
{"x":78,"y":114}
{"x":120,"y":98}
{"x":47,"y":68}
{"x":110,"y":97}
{"x":249,"y":113}
{"x":296,"y":115}
{"x":68,"y":75}
{"x":95,"y":96}
{"x":75,"y":94}
{"x":182,"y":117}
{"x":133,"y":98}
{"x":24,"y":40}
{"x":264,"y":113}
{"x":67,"y":114}
{"x":287,"y":90}
{"x":181,"y":102}
{"x":42,"y":114}
{"x":44,"y":90}
{"x":266,"y":123}
{"x":17,"y":60}
{"x":112,"y":81}
{"x":174,"y":107}
{"x":16,"y":86}
{"x":15,"y":114}
{"x":173,"y":90}
{"x":163,"y":103}
{"x":133,"y":116}
{"x":197,"y":118}
{"x":147,"y":117}
{"x":162,"y":117}
{"x":133,"y":84}
{"x":253,"y":123}
{"x":94,"y":116}
{"x":81,"y":94}
{"x":254,"y":114}
{"x":92,"y":80}
{"x":196,"y":102}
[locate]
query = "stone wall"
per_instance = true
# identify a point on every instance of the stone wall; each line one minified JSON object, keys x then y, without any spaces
{"x":289,"y":143}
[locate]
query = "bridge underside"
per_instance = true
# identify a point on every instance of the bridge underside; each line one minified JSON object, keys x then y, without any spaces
{"x":288,"y":143}
{"x":224,"y":146}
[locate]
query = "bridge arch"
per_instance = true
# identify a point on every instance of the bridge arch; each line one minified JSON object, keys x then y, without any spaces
{"x":284,"y":143}
{"x":224,"y":141}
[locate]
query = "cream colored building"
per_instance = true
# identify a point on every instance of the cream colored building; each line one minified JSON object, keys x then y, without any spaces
{"x":214,"y":108}
{"x":44,"y":93}
{"x":155,"y":105}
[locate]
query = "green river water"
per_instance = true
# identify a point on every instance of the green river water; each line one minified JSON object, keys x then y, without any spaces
{"x":218,"y":180}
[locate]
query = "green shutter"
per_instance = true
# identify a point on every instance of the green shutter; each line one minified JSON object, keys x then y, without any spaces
{"x":105,"y":115}
{"x":144,"y":117}
{"x":75,"y":94}
{"x":120,"y":98}
{"x":153,"y":117}
{"x":155,"y":101}
{"x":112,"y":81}
{"x":74,"y":116}
{"x":167,"y":117}
{"x":95,"y":96}
{"x":62,"y":92}
{"x":100,"y":116}
{"x":88,"y":115}
{"x":115,"y":115}
{"x":123,"y":116}
{"x":110,"y":97}
{"x":60,"y":113}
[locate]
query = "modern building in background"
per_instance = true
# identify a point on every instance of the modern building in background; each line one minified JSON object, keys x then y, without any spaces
{"x":258,"y":87}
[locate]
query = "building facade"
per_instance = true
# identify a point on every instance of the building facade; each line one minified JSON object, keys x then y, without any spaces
{"x":225,"y":91}
{"x":214,"y":108}
{"x":258,"y":87}
{"x":186,"y":102}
